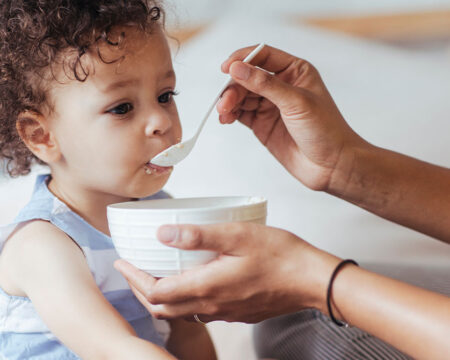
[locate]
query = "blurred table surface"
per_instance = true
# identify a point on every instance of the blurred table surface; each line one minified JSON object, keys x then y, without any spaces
{"x":394,"y":98}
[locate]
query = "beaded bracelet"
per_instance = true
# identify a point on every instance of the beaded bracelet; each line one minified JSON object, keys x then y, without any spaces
{"x":330,"y":284}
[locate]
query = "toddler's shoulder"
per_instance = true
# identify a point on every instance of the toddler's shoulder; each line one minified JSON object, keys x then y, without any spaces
{"x":37,"y":238}
{"x":33,"y":244}
{"x":33,"y":234}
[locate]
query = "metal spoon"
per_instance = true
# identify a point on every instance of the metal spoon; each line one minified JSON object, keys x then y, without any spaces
{"x":175,"y":153}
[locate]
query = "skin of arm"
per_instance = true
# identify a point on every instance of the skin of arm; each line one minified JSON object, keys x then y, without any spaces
{"x":190,"y":341}
{"x":294,"y":277}
{"x":396,"y":187}
{"x":414,"y":320}
{"x":52,"y":271}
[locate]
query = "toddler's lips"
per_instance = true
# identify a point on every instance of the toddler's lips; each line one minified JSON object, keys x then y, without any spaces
{"x":155,"y":169}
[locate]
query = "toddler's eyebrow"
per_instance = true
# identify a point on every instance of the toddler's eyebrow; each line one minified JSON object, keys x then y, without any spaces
{"x":120,"y":84}
{"x":130,"y":82}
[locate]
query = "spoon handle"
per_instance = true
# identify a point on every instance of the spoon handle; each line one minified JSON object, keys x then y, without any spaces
{"x":225,"y":85}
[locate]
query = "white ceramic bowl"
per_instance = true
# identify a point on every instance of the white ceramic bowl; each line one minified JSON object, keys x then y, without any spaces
{"x":133,"y":227}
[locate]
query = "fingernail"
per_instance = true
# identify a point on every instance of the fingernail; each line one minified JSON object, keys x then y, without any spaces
{"x":219,"y":109}
{"x":168,"y":234}
{"x":240,"y":71}
{"x":223,"y":67}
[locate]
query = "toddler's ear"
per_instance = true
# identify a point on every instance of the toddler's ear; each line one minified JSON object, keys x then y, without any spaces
{"x":34,"y":130}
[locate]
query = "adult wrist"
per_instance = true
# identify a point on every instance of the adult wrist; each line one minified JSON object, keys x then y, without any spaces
{"x":330,"y":290}
{"x":350,"y":157}
{"x":312,"y":278}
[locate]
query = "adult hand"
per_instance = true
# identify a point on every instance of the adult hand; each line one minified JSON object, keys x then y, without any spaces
{"x":290,"y":111}
{"x":261,"y":272}
{"x":264,"y":272}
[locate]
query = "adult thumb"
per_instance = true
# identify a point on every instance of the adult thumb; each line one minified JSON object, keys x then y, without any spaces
{"x":263,"y":83}
{"x":227,"y":238}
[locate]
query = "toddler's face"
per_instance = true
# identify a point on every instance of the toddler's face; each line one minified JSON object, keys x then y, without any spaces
{"x":111,"y":125}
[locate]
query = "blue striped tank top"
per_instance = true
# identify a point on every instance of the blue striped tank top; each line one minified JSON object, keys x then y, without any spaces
{"x":23,"y":334}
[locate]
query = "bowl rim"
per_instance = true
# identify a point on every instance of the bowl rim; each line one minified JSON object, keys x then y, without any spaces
{"x":261,"y":202}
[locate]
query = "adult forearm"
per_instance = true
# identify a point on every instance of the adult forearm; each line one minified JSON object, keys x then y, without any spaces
{"x":399,"y":188}
{"x":413,"y":320}
{"x":190,"y":341}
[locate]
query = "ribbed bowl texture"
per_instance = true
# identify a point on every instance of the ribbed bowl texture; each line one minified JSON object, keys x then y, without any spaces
{"x":133,"y":226}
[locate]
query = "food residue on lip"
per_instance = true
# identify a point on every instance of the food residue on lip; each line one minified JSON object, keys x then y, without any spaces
{"x":180,"y":146}
{"x":152,"y":168}
{"x":165,"y":153}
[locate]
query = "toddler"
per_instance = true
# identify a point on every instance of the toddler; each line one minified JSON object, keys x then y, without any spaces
{"x":86,"y":87}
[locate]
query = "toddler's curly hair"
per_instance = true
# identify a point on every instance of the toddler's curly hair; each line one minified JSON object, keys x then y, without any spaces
{"x":33,"y":34}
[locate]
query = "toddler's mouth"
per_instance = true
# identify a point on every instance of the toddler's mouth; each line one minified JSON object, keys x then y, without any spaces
{"x":155,"y":169}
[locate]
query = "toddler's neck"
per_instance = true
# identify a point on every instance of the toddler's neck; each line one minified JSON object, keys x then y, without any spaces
{"x":87,"y":203}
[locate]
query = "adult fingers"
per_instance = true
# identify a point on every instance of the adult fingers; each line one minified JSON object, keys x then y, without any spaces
{"x":173,"y":289}
{"x":210,"y":313}
{"x":269,"y":58}
{"x":141,"y":297}
{"x":285,"y":96}
{"x":247,"y":118}
{"x":198,"y":283}
{"x":231,"y":97}
{"x":225,"y":238}
{"x":138,"y":278}
{"x":250,"y":104}
{"x":228,"y":118}
{"x":182,"y":309}
{"x":140,"y":282}
{"x":185,"y":309}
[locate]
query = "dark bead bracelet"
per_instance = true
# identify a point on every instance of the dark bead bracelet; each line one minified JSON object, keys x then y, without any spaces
{"x":330,"y":285}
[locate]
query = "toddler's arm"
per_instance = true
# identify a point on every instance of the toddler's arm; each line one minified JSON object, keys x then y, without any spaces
{"x":43,"y":263}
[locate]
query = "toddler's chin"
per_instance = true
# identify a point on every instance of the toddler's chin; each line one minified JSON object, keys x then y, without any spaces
{"x":153,"y":186}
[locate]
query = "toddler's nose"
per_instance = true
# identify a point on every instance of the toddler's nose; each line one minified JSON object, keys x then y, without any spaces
{"x":158,"y":124}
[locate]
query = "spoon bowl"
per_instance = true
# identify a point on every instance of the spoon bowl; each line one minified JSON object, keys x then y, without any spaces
{"x":176,"y":153}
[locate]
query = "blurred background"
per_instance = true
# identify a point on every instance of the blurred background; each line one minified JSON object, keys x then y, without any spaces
{"x":387,"y":65}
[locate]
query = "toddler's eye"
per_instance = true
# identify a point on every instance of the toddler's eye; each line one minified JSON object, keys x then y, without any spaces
{"x":121,"y":109}
{"x":166,"y":97}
